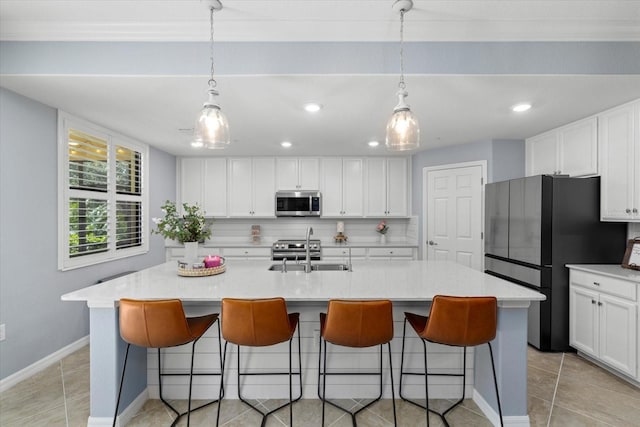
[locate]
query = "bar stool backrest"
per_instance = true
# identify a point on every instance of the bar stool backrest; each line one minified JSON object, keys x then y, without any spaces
{"x":461,"y":321}
{"x":154,"y":324}
{"x":358,"y":323}
{"x":255,"y":322}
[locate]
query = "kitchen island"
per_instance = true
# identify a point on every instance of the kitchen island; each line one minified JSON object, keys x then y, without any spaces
{"x":411,"y":285}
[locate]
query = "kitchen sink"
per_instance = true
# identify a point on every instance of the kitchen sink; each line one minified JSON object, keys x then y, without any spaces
{"x":314,"y":267}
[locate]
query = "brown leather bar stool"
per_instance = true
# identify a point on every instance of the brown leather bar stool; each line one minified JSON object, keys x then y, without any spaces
{"x":160,"y":324}
{"x":358,"y":324}
{"x":260,"y":323}
{"x":453,"y":321}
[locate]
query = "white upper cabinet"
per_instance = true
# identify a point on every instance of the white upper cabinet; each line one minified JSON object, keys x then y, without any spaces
{"x":568,"y":150}
{"x":297,"y":173}
{"x":203,"y":181}
{"x":387,"y":187}
{"x":619,"y":137}
{"x":342,"y":187}
{"x":252,"y":187}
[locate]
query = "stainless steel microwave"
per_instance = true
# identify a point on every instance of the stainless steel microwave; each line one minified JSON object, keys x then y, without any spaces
{"x":298,"y":203}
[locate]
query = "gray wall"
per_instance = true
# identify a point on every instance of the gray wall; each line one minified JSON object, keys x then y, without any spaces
{"x":37,"y":322}
{"x":505,"y":160}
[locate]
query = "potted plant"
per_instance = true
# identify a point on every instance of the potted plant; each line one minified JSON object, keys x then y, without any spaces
{"x":188,"y":228}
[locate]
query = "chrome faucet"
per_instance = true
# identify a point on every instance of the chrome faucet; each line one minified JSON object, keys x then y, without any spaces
{"x":307,"y":265}
{"x":349,"y":266}
{"x":284,"y":264}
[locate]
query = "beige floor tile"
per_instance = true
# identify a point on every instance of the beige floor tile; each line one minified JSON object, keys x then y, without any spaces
{"x":78,"y":360}
{"x":561,"y":417}
{"x":47,"y":418}
{"x":153,"y":413}
{"x":543,"y":360}
{"x":541,"y":383}
{"x":598,"y":402}
{"x":539,"y":411}
{"x":586,"y":372}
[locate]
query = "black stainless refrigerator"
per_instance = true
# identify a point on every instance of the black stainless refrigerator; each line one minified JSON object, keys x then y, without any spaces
{"x":536,"y":225}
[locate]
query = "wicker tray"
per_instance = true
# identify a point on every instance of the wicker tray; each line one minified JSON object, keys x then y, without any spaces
{"x":201,"y":272}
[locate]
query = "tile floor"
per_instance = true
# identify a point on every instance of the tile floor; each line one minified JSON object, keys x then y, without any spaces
{"x":564,"y":390}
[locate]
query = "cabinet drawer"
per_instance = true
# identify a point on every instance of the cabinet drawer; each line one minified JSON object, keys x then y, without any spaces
{"x":247,"y":252}
{"x":605,"y":284}
{"x":387,"y":252}
{"x":336,"y":252}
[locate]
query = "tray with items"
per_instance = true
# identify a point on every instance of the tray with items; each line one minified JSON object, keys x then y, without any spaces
{"x":211,"y":265}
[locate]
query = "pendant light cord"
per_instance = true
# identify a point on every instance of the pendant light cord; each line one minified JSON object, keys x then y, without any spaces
{"x":212,"y":81}
{"x":401,"y":85}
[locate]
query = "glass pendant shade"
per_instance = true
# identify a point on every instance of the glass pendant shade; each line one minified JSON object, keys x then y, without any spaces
{"x":403,"y":130}
{"x":212,"y":128}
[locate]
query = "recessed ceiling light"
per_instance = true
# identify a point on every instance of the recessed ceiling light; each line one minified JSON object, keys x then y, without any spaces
{"x":521,"y":108}
{"x":312,"y":107}
{"x":285,"y":144}
{"x":373,"y":143}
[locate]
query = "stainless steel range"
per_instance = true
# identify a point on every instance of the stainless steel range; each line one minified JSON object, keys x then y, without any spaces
{"x":296,"y":250}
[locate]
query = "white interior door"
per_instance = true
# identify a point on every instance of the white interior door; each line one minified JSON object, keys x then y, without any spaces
{"x":454,"y":211}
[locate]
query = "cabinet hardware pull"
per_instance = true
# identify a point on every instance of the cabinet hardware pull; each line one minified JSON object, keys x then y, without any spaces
{"x":593,"y":301}
{"x":634,"y":210}
{"x":596,"y":283}
{"x":599,"y":303}
{"x":627,"y":210}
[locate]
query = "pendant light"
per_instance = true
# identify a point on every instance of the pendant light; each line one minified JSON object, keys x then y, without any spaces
{"x":212,"y":128}
{"x":403,"y":130}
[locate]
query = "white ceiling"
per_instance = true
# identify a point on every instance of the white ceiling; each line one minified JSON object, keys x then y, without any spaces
{"x":264,"y":110}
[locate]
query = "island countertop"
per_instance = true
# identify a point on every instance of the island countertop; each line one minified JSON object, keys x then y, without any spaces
{"x":394,"y":280}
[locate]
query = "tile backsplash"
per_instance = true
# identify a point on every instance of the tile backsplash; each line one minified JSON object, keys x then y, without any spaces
{"x":634,"y":230}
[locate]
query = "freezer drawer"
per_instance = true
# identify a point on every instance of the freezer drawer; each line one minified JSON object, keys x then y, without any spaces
{"x":531,"y":276}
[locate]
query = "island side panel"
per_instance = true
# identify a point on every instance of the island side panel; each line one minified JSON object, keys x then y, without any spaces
{"x":510,"y":357}
{"x":107,"y":358}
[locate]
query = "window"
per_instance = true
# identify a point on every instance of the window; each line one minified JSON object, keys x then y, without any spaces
{"x":102,"y":196}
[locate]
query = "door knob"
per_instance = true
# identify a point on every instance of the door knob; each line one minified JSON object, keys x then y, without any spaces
{"x":432,"y":243}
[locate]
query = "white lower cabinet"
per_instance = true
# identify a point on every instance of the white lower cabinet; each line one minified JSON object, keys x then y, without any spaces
{"x":604,"y":319}
{"x":391,"y":254}
{"x":342,"y":254}
{"x":247,"y":253}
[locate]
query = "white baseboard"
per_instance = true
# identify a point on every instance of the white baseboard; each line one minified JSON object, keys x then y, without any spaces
{"x":125,"y":416}
{"x":42,"y":364}
{"x":494,"y":417}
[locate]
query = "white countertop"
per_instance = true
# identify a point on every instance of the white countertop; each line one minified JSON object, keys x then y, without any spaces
{"x":395,"y":280}
{"x":612,"y":270}
{"x":266,"y":243}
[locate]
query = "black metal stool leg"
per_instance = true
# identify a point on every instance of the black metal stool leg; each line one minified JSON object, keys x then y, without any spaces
{"x":221,"y":394}
{"x":426,"y":381}
{"x":393,"y":393}
{"x":124,"y":367}
{"x":495,"y":382}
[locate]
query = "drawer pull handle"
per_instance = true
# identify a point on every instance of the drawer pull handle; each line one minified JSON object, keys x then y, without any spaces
{"x":593,"y":301}
{"x":596,"y":283}
{"x":599,"y":303}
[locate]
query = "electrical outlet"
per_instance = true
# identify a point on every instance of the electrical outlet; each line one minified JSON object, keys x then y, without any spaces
{"x":3,"y":335}
{"x":316,"y":338}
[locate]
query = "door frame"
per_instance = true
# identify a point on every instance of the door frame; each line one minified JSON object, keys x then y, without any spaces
{"x":425,"y":189}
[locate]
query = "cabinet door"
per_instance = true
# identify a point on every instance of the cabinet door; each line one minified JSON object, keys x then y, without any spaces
{"x":190,"y":182}
{"x":309,"y":173}
{"x":578,"y":149}
{"x":542,"y":154}
{"x":617,"y":168}
{"x":376,"y":187}
{"x":397,"y":187}
{"x":240,"y":188}
{"x":352,"y":187}
{"x":287,"y":173}
{"x":331,"y":186}
{"x":215,"y":187}
{"x":618,"y":333}
{"x":583,"y":320}
{"x":264,"y":186}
